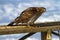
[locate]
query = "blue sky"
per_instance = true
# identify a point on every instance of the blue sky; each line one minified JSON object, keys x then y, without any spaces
{"x":10,"y":9}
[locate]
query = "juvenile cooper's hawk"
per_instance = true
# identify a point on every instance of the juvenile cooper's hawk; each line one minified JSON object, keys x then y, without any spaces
{"x":28,"y":14}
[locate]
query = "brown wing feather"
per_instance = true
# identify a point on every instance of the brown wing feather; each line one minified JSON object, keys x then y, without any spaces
{"x":25,"y":16}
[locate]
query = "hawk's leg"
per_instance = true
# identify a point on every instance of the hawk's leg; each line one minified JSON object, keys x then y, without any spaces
{"x":28,"y":25}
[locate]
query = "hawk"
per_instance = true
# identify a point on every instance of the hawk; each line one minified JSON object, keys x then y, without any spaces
{"x":27,"y":15}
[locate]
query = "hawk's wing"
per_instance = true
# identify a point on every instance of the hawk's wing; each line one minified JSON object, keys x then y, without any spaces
{"x":24,"y":17}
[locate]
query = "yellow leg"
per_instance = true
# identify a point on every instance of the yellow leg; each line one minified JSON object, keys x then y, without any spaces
{"x":28,"y":25}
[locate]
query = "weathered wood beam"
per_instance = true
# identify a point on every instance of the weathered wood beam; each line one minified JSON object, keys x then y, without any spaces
{"x":25,"y":29}
{"x":41,"y":25}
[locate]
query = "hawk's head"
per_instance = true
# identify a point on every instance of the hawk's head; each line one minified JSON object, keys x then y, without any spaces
{"x":41,"y":9}
{"x":37,"y":9}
